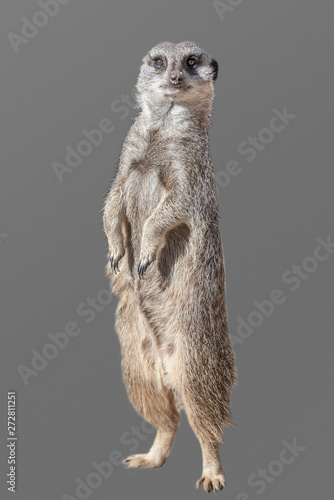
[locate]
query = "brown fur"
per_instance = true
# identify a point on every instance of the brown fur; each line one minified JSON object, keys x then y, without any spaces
{"x":161,"y":220}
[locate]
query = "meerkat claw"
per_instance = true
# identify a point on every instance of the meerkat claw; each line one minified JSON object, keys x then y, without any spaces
{"x":211,"y":483}
{"x":142,"y":267}
{"x":114,"y":260}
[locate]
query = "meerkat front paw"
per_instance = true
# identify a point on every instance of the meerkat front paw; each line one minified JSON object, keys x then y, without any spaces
{"x":212,"y":482}
{"x":115,"y":257}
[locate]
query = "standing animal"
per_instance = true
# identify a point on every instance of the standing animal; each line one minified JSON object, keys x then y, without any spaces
{"x":166,"y":259}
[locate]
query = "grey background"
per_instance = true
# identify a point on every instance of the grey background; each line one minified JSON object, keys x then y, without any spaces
{"x":271,"y":54}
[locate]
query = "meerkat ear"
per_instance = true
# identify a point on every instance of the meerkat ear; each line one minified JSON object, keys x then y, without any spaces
{"x":214,"y":66}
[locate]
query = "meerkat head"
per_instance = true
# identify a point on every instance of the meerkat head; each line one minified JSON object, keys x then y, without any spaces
{"x":177,"y":74}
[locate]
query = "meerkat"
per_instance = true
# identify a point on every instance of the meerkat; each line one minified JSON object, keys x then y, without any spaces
{"x":166,"y":264}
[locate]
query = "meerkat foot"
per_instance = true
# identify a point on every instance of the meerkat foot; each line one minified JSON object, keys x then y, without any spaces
{"x":212,"y":482}
{"x":143,"y":461}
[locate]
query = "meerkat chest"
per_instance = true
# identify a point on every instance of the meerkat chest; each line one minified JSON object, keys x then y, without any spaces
{"x":145,"y":185}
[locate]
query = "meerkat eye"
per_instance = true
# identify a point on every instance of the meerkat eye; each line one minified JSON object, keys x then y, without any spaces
{"x":158,"y":62}
{"x":191,"y":61}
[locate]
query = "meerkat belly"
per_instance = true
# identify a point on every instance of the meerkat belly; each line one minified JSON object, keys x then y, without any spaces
{"x":166,"y":364}
{"x":143,"y":191}
{"x":156,"y":295}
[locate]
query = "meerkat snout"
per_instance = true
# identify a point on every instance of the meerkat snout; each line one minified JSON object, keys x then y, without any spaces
{"x":176,"y":79}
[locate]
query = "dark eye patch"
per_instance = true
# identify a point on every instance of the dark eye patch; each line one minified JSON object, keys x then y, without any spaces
{"x":192,"y":62}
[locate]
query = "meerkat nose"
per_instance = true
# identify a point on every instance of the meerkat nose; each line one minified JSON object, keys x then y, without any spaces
{"x":175,"y":79}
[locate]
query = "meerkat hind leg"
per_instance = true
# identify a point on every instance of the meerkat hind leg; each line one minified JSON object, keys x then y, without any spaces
{"x":150,"y":397}
{"x":213,"y":478}
{"x":166,"y":420}
{"x":158,"y":453}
